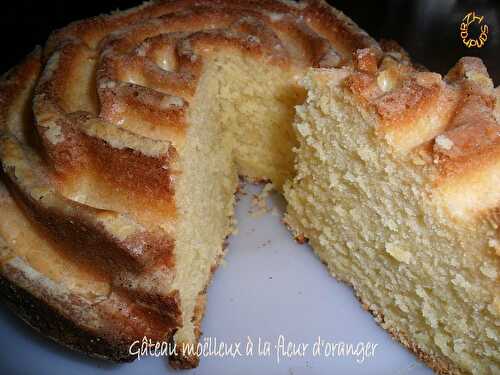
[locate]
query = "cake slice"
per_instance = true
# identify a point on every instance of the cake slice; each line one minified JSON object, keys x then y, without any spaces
{"x":397,"y":191}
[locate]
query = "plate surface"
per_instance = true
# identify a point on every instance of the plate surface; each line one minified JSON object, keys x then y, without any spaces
{"x":269,"y":287}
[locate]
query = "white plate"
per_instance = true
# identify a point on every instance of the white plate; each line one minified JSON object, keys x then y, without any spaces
{"x":270,"y":286}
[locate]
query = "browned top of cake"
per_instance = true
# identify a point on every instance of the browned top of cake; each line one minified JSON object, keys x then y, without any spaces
{"x":91,"y":127}
{"x":451,"y":122}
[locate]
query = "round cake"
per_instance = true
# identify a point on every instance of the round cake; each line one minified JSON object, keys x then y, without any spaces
{"x":122,"y":142}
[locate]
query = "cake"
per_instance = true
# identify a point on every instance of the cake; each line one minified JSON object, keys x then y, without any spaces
{"x":396,"y":192}
{"x":122,"y":142}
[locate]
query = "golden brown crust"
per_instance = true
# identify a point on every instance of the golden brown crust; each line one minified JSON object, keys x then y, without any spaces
{"x":401,"y":95}
{"x":104,"y":329}
{"x":92,"y":162}
{"x":450,"y":124}
{"x":44,"y":319}
{"x":104,"y":324}
{"x":106,"y":107}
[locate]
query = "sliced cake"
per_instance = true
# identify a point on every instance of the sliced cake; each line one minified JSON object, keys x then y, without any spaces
{"x":396,"y":190}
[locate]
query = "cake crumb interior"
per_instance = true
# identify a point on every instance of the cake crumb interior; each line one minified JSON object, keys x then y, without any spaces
{"x":370,"y":216}
{"x":240,"y":125}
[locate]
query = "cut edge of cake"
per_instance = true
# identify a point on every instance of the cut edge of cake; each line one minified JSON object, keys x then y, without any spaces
{"x":417,"y":113}
{"x":395,"y":193}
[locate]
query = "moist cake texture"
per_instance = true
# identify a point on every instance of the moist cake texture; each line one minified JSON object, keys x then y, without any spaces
{"x":122,"y":141}
{"x":395,"y":192}
{"x":121,"y":145}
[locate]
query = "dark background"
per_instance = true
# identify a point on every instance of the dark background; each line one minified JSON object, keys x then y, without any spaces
{"x":428,"y":29}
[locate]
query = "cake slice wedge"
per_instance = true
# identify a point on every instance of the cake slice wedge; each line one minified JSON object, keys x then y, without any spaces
{"x":397,"y":192}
